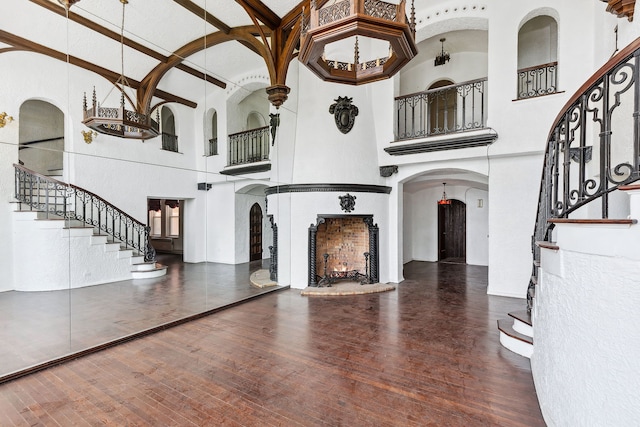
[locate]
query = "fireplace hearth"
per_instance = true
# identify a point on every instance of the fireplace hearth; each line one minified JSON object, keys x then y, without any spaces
{"x":343,"y":247}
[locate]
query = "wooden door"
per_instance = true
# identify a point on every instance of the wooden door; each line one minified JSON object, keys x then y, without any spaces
{"x":452,"y":231}
{"x":255,"y":233}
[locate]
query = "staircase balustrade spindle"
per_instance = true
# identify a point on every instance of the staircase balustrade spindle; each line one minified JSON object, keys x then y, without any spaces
{"x":70,"y":202}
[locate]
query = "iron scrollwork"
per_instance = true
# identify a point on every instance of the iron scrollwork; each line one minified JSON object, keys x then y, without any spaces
{"x":347,"y":202}
{"x":344,"y":113}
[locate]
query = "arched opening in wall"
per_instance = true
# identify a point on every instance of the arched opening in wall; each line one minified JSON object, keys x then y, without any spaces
{"x":442,"y":108}
{"x":166,"y":220}
{"x":169,"y":137}
{"x":211,"y":145}
{"x":452,"y":232}
{"x":255,"y":233}
{"x":538,"y":57}
{"x":421,"y":229}
{"x":255,"y":120}
{"x":41,"y":137}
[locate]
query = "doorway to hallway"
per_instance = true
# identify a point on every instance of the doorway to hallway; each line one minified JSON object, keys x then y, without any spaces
{"x":452,"y":232}
{"x":255,"y":233}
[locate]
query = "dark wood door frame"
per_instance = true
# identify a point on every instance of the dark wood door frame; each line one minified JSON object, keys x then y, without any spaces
{"x":255,"y":233}
{"x":452,"y":230}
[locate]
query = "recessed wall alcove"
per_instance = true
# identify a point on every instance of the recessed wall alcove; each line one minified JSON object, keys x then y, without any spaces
{"x":343,"y":247}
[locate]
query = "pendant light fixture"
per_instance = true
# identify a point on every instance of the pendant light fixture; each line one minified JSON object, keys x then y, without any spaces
{"x":444,"y":200}
{"x":120,"y":122}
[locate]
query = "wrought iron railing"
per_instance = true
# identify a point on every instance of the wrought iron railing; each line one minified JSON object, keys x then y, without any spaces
{"x":56,"y":198}
{"x":538,"y":81}
{"x":440,"y":111}
{"x":592,"y":149}
{"x":169,"y":142}
{"x":212,"y":147}
{"x":248,"y":147}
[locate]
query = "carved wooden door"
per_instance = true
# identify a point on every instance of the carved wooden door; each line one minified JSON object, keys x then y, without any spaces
{"x":452,"y":231}
{"x":255,"y":233}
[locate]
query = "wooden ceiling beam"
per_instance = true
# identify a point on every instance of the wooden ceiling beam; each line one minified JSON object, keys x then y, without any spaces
{"x":262,"y":12}
{"x":28,"y":45}
{"x":60,"y":10}
{"x":202,"y":13}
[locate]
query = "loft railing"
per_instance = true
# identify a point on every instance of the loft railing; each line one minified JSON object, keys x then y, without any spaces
{"x":441,"y":111}
{"x":592,"y":149}
{"x":57,"y":198}
{"x":213,"y":146}
{"x":538,"y":81}
{"x":248,"y":147}
{"x":169,"y":142}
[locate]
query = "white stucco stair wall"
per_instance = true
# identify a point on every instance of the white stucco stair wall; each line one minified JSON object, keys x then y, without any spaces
{"x":586,"y":351}
{"x":51,"y":255}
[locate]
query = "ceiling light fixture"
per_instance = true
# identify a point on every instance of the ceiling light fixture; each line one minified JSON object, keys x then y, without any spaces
{"x":443,"y":56}
{"x":120,"y":122}
{"x":329,"y":22}
{"x":444,"y":200}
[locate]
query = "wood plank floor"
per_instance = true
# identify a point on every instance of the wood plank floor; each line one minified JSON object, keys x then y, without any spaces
{"x":425,"y":354}
{"x":36,"y":327}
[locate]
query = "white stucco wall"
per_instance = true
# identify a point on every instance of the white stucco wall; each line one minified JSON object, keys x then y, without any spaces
{"x":585,"y":359}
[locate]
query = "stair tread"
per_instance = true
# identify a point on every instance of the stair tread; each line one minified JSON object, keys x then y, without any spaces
{"x":506,"y":326}
{"x":522,"y":315}
{"x":547,"y":245}
{"x":603,"y":221}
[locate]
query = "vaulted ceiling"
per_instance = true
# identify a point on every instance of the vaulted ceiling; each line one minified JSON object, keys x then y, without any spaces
{"x":164,"y":40}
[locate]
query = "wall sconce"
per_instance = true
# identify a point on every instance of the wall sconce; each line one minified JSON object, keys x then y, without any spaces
{"x":89,"y":135}
{"x":480,"y":203}
{"x":4,"y":119}
{"x":442,"y":57}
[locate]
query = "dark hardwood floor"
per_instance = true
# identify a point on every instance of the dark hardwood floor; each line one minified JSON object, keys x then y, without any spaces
{"x":425,"y":354}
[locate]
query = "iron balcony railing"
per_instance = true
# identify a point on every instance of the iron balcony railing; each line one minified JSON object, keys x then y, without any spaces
{"x":248,"y":147}
{"x":538,"y":81}
{"x":169,"y":142}
{"x":52,"y":197}
{"x":592,"y":149}
{"x":212,"y":147}
{"x":440,"y":111}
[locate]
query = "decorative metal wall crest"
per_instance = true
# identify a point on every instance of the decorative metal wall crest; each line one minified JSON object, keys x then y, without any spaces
{"x":344,"y":113}
{"x":347,"y":202}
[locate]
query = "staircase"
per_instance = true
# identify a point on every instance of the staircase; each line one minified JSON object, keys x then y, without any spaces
{"x":85,"y":240}
{"x":592,"y":151}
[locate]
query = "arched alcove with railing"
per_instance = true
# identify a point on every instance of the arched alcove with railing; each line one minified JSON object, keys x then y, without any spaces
{"x":169,"y":136}
{"x":538,"y":57}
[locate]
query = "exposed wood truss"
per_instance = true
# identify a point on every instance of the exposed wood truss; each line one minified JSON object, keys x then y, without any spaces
{"x":275,"y":39}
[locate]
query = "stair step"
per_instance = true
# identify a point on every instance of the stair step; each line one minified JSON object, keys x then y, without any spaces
{"x":158,"y":271}
{"x":603,"y":221}
{"x":522,"y":322}
{"x":513,"y":340}
{"x":144,"y":266}
{"x":547,"y":245}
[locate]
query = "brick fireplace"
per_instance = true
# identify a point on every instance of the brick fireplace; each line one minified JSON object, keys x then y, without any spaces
{"x":343,"y":247}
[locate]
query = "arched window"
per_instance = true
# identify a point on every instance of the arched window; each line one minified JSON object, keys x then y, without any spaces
{"x":538,"y":57}
{"x":442,"y":107}
{"x":169,"y":137}
{"x":212,"y":148}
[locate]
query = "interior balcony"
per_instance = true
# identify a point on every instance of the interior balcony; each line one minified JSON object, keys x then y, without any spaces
{"x":248,"y":152}
{"x":444,"y":118}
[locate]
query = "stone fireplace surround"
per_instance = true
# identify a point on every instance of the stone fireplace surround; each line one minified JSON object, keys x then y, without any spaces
{"x":343,"y":240}
{"x":294,"y":208}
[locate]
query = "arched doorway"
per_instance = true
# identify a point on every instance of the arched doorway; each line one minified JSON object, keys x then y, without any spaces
{"x":452,"y":231}
{"x":255,"y":233}
{"x":41,"y":137}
